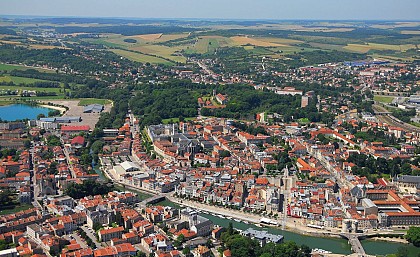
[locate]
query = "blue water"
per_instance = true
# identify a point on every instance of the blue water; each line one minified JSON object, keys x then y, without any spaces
{"x":21,"y":111}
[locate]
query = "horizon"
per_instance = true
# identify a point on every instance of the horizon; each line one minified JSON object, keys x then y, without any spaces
{"x":198,"y":18}
{"x":358,"y":10}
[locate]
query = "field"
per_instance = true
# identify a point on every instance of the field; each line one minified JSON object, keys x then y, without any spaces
{"x":160,"y":50}
{"x":88,"y":101}
{"x":19,"y":80}
{"x":371,"y":46}
{"x":383,"y":99}
{"x":138,"y":57}
{"x":254,"y":41}
{"x":9,"y":67}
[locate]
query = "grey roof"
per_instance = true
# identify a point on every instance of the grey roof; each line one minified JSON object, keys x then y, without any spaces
{"x":261,"y":235}
{"x":93,"y":108}
{"x":408,"y":179}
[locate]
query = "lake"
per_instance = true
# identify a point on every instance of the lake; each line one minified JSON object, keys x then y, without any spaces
{"x":21,"y":111}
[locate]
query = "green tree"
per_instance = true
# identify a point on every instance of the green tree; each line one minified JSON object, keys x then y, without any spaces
{"x":413,"y":236}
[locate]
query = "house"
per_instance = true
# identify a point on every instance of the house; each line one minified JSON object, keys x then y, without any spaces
{"x":201,"y":251}
{"x":78,"y":142}
{"x":108,"y":234}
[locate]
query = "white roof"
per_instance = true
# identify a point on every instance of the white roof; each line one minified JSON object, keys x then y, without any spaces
{"x":129,"y":165}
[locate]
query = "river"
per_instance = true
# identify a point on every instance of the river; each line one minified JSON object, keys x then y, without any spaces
{"x":335,"y":245}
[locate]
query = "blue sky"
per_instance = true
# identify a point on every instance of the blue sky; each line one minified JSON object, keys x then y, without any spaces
{"x":224,"y":9}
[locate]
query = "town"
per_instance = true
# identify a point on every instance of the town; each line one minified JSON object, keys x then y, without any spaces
{"x":143,"y":159}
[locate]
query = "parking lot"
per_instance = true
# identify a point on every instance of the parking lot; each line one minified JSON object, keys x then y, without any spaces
{"x":75,"y":110}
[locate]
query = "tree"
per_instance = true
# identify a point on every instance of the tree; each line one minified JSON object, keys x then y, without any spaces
{"x":413,"y":236}
{"x":179,"y":240}
{"x":186,"y":251}
{"x":402,"y":251}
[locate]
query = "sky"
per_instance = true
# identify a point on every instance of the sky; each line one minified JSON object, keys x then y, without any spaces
{"x":220,"y":9}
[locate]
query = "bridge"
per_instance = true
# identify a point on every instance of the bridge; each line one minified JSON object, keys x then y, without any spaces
{"x":152,"y":200}
{"x":354,"y":241}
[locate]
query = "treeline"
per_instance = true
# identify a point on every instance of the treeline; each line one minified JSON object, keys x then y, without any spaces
{"x":373,"y":168}
{"x":404,"y":116}
{"x":72,"y":59}
{"x":320,"y":56}
{"x":34,"y":74}
{"x":242,"y":246}
{"x":126,"y":30}
{"x":87,"y":188}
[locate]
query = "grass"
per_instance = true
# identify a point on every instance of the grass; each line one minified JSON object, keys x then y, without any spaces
{"x":138,"y":57}
{"x":17,"y":208}
{"x":93,"y":101}
{"x":371,"y":46}
{"x":10,"y":67}
{"x":20,"y":80}
{"x":162,"y":51}
{"x":176,"y":120}
{"x":383,"y":99}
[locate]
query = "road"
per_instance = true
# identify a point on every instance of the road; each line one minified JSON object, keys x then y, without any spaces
{"x":91,"y":235}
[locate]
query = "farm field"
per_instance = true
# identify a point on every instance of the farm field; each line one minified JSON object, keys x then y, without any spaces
{"x":138,"y":57}
{"x":160,"y":50}
{"x":371,"y":46}
{"x":239,"y":40}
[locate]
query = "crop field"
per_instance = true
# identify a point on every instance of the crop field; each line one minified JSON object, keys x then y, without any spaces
{"x":9,"y":67}
{"x":254,"y":41}
{"x":148,"y":37}
{"x":138,"y":57}
{"x":160,"y":50}
{"x":371,"y":46}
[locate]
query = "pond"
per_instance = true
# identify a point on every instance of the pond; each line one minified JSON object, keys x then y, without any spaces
{"x":21,"y":111}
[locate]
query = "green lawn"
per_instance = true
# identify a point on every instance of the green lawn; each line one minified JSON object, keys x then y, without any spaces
{"x":383,"y":99}
{"x":88,"y":101}
{"x":20,"y":207}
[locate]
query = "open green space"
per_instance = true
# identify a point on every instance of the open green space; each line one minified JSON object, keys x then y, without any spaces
{"x":176,"y":120}
{"x":10,"y":67}
{"x":17,"y":208}
{"x":93,"y":101}
{"x":19,"y":80}
{"x":383,"y":99}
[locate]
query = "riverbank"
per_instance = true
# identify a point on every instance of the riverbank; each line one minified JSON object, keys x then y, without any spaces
{"x":291,"y":224}
{"x":389,"y":239}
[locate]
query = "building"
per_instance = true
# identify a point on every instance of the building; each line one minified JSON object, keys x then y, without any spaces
{"x":93,"y":108}
{"x":262,"y":237}
{"x":9,"y":253}
{"x":73,"y":130}
{"x":111,"y":233}
{"x":408,"y":184}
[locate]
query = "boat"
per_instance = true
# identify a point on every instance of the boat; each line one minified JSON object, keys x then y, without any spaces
{"x":258,"y":225}
{"x":237,"y":220}
{"x":246,"y":222}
